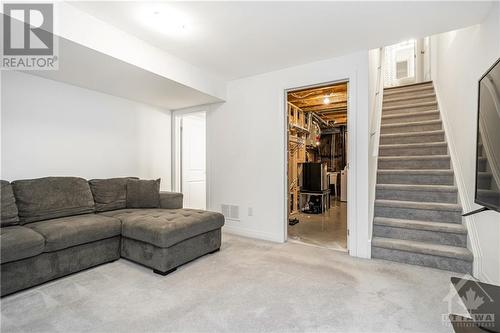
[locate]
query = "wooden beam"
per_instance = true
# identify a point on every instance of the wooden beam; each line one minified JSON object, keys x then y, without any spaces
{"x":298,"y":95}
{"x":325,"y":107}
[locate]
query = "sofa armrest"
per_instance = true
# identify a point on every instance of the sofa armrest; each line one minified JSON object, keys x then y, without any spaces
{"x":171,"y":200}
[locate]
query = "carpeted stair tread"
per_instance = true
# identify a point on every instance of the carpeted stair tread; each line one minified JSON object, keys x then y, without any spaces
{"x":421,"y":172}
{"x":408,"y":88}
{"x":418,"y":205}
{"x":415,"y":158}
{"x":413,"y":123}
{"x":421,"y":225}
{"x":422,"y":133}
{"x":408,"y":106}
{"x":409,"y":114}
{"x":413,"y":145}
{"x":423,"y":248}
{"x":404,"y":98}
{"x":412,"y":187}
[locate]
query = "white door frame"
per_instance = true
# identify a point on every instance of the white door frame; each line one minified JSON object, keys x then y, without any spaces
{"x":176,"y":149}
{"x":351,"y":153}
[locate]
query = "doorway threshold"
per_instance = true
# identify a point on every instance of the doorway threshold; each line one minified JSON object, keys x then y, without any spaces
{"x":298,"y":241}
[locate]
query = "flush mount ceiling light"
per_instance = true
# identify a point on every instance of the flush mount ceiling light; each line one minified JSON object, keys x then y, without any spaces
{"x":166,"y":20}
{"x":326,"y":100}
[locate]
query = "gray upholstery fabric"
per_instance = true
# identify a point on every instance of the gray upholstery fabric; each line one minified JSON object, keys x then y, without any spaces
{"x":171,"y":200}
{"x":21,"y":274}
{"x":164,"y":259}
{"x":8,"y":208}
{"x":52,"y":197}
{"x":166,"y":227}
{"x":109,"y":194}
{"x":17,"y":242}
{"x":75,"y":230}
{"x":143,"y":193}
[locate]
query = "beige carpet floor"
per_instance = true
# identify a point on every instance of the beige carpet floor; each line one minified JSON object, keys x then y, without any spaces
{"x":249,"y":286}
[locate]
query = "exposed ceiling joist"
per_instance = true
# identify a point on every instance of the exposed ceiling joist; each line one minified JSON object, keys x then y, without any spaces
{"x":329,"y":103}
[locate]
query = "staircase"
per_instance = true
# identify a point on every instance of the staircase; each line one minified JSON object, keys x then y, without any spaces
{"x":417,"y":216}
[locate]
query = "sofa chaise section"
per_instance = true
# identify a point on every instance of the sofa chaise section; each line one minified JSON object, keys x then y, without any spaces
{"x":169,"y":236}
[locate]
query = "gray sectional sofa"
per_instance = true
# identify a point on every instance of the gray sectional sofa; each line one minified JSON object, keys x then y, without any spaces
{"x":55,"y":226}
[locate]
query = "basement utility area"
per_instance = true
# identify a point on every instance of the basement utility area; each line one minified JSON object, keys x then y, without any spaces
{"x":317,"y":166}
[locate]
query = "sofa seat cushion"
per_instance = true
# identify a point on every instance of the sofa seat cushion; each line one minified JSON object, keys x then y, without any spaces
{"x":166,"y":227}
{"x":17,"y":242}
{"x":69,"y":231}
{"x":52,"y":197}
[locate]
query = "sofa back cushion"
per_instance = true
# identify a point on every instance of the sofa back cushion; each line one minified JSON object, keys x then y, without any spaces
{"x":8,"y":208}
{"x":52,"y":197}
{"x":143,"y":193}
{"x":109,"y":194}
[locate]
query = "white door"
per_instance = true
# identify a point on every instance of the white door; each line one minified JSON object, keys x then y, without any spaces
{"x":400,"y":64}
{"x":193,"y":160}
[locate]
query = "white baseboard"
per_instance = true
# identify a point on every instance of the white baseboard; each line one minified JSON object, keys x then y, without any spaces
{"x":253,"y":234}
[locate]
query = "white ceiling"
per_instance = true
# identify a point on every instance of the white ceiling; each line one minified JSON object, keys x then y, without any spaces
{"x":87,"y":68}
{"x":238,"y":39}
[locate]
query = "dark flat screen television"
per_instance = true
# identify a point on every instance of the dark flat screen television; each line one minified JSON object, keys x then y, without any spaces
{"x":314,"y":177}
{"x":487,"y":191}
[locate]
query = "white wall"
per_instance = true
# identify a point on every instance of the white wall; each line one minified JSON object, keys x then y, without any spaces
{"x":459,"y":59}
{"x":246,"y":147}
{"x":52,"y":128}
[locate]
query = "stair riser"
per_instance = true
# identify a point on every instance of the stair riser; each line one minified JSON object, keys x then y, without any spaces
{"x":409,"y":108}
{"x":484,"y":182}
{"x":410,"y":118}
{"x":481,"y":165}
{"x":449,"y":264}
{"x":410,"y":128}
{"x":409,"y":94}
{"x":418,"y":214}
{"x":435,"y":237}
{"x":415,"y":179}
{"x":409,"y":89}
{"x":417,"y":151}
{"x":412,"y":139}
{"x":420,"y":196}
{"x":409,"y":100}
{"x":414,"y":164}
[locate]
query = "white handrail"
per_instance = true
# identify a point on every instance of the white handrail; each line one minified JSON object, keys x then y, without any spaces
{"x":376,"y":112}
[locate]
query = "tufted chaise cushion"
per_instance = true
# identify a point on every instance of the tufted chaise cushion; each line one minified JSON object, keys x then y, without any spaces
{"x":166,"y":227}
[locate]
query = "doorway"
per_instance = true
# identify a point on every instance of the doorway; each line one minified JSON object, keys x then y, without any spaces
{"x":407,"y":62}
{"x":318,"y":165}
{"x":190,"y":158}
